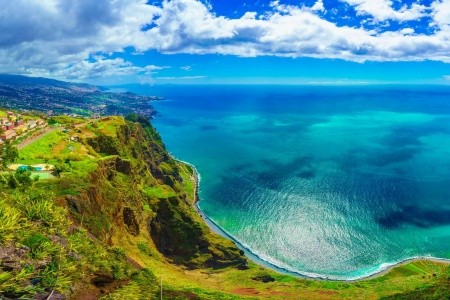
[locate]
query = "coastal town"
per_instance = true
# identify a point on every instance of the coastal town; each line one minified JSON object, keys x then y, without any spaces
{"x":64,"y":98}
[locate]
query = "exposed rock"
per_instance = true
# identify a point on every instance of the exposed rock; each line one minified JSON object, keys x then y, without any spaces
{"x":73,"y":203}
{"x":130,"y":221}
{"x":123,"y":166}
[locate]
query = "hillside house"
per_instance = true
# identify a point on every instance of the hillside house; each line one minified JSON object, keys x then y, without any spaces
{"x":8,"y":135}
{"x":20,"y":129}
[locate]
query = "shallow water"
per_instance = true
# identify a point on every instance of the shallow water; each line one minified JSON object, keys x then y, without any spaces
{"x":329,"y":181}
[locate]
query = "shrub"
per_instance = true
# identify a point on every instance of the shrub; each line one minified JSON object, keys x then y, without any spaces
{"x":10,"y":221}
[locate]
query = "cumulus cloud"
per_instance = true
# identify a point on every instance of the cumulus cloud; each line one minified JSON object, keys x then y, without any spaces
{"x":75,"y":39}
{"x":190,"y":27}
{"x":56,"y":35}
{"x":441,"y":13}
{"x":318,"y":6}
{"x":96,"y":67}
{"x":382,"y":10}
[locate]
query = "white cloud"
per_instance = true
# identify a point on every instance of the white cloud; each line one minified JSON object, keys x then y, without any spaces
{"x":57,"y":35}
{"x":63,"y":39}
{"x":382,"y":10}
{"x":318,"y":6}
{"x":186,"y":68}
{"x":441,"y":13}
{"x":188,"y":26}
{"x":96,"y":67}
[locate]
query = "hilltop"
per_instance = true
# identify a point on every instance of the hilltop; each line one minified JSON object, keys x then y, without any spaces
{"x":114,"y":219}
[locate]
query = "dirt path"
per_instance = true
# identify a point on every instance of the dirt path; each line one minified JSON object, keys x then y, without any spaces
{"x":34,"y":139}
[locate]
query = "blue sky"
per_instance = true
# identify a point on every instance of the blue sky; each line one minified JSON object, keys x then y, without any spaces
{"x":228,"y":41}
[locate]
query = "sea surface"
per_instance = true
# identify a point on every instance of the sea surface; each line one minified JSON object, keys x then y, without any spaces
{"x":334,"y":182}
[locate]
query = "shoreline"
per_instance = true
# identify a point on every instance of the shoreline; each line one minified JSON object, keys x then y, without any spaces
{"x":381,"y":271}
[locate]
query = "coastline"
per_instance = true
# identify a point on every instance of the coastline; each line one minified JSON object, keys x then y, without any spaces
{"x":381,"y":271}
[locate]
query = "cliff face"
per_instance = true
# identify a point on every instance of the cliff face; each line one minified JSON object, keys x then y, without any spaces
{"x":139,"y":189}
{"x":120,"y":207}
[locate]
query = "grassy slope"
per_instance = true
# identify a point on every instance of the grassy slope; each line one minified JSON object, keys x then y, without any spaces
{"x":129,"y":258}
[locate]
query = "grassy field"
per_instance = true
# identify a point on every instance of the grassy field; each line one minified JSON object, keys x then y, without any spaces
{"x":46,"y":149}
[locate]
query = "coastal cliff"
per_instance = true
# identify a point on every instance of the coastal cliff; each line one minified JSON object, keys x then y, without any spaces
{"x":118,"y":222}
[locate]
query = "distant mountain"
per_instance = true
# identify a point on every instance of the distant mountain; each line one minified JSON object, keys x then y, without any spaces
{"x":59,"y":97}
{"x":24,"y":80}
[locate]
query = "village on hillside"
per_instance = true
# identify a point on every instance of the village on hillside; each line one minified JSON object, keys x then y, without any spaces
{"x":14,"y":126}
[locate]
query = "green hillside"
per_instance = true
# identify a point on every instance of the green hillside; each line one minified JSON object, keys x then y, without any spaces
{"x":115,"y":219}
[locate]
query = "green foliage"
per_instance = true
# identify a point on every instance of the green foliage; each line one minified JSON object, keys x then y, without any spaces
{"x":23,"y":177}
{"x":143,"y":120}
{"x":58,"y":169}
{"x":38,"y":207}
{"x":8,"y":154}
{"x":3,"y":180}
{"x":13,"y":183}
{"x":142,"y":285}
{"x":10,"y":221}
{"x":40,"y":246}
{"x":119,"y":252}
{"x":104,"y":144}
{"x":52,"y":121}
{"x":145,"y":249}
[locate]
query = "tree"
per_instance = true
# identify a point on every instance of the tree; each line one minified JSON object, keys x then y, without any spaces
{"x":12,"y":181}
{"x":58,"y":169}
{"x":8,"y":154}
{"x":23,"y":177}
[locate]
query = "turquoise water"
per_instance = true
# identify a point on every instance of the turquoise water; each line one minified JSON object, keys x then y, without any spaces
{"x":333,"y":182}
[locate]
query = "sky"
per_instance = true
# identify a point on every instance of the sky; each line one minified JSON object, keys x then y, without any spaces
{"x":113,"y":42}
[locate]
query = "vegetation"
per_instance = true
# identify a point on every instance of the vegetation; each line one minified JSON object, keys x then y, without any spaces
{"x":118,"y":218}
{"x":8,"y":154}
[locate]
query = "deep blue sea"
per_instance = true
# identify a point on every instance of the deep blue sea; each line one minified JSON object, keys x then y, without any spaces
{"x":336,"y":182}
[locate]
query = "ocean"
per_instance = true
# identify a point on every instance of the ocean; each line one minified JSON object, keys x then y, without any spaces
{"x":334,"y":182}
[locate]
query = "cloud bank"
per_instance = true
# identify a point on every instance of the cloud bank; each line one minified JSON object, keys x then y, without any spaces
{"x":77,"y":39}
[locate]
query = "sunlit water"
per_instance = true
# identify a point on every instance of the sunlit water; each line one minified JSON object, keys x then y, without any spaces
{"x":324,"y":181}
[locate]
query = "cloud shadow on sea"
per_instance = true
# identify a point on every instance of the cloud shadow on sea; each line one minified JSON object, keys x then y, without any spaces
{"x":174,"y":122}
{"x":392,"y":156}
{"x":271,"y":174}
{"x":208,"y":127}
{"x":401,"y":144}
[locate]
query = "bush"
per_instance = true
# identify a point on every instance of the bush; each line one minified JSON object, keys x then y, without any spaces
{"x":10,"y":221}
{"x":40,"y":246}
